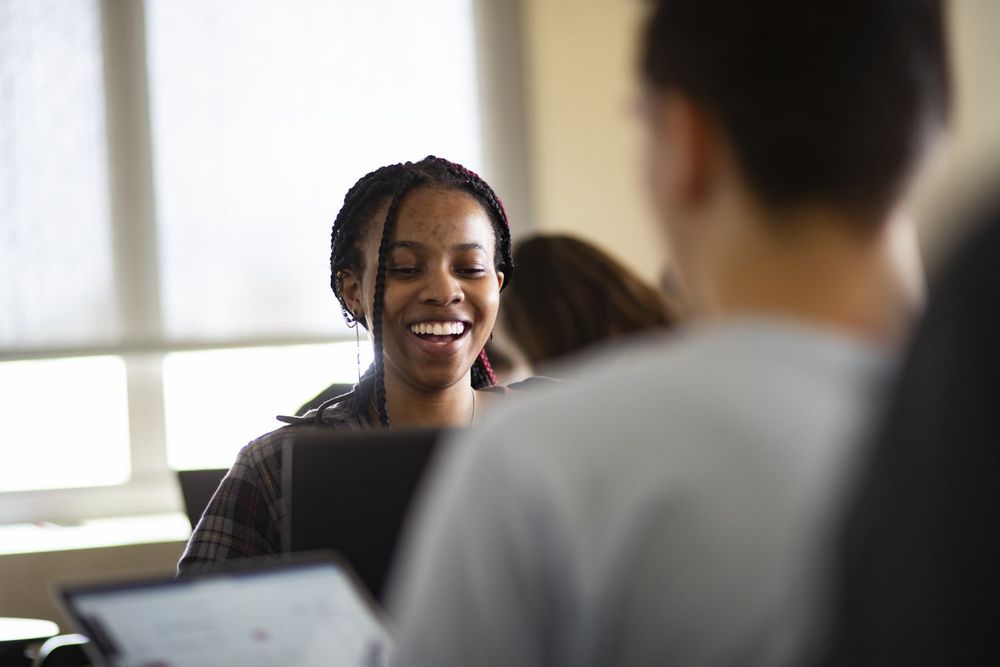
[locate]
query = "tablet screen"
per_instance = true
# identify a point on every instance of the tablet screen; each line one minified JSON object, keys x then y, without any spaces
{"x":296,"y":615}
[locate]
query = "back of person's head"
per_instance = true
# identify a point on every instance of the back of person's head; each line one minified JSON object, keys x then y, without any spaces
{"x":829,"y":103}
{"x":571,"y":295}
{"x":918,"y":579}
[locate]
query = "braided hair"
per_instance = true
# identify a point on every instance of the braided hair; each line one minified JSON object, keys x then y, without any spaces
{"x":391,"y":183}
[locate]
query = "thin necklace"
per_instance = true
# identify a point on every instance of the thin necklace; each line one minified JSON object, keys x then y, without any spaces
{"x":472,"y":419}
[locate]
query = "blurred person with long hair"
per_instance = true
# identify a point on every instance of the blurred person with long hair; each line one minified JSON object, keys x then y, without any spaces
{"x":571,"y":296}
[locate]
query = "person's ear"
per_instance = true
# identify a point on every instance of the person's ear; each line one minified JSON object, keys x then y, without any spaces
{"x":350,"y":289}
{"x":688,"y":135}
{"x":499,"y":280}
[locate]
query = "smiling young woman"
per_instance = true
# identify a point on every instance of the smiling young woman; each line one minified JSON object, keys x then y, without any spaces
{"x":419,"y":254}
{"x":430,"y":299}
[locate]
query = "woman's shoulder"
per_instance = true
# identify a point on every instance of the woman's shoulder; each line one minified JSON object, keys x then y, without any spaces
{"x":267,"y":448}
{"x":341,"y":412}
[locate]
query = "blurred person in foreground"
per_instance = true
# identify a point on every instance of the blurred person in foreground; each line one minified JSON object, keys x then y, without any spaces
{"x":675,"y":509}
{"x":919,"y":581}
{"x":572,"y":297}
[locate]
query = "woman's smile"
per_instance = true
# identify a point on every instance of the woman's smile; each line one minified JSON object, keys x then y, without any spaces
{"x":440,"y":337}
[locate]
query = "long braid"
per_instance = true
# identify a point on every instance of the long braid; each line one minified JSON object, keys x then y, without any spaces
{"x":383,"y":254}
{"x":483,"y":375}
{"x":349,"y":225}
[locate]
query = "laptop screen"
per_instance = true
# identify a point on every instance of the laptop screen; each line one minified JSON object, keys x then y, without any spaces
{"x":289,"y":614}
{"x":350,"y":492}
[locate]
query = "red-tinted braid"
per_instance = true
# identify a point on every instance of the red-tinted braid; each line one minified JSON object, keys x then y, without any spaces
{"x":487,"y":367}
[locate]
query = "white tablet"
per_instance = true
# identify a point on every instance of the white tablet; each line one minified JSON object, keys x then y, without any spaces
{"x":302,"y":611}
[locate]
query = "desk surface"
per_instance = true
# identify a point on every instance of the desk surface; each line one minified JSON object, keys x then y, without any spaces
{"x":24,"y":630}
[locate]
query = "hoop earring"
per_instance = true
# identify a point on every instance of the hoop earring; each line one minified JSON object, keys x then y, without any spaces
{"x":338,"y":289}
{"x":352,"y":323}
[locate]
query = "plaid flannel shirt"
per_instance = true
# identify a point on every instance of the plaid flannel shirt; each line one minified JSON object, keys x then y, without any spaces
{"x":246,"y":515}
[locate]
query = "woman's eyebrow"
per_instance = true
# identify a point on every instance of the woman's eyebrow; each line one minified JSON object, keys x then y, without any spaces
{"x":416,"y":245}
{"x":472,"y":245}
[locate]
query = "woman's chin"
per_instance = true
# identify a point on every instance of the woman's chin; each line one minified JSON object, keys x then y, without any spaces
{"x":430,"y":380}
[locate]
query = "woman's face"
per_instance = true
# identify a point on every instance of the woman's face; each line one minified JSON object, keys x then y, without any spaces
{"x":442,"y":289}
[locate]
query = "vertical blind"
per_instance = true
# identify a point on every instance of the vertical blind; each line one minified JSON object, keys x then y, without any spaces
{"x":263,"y":115}
{"x":57,"y":286}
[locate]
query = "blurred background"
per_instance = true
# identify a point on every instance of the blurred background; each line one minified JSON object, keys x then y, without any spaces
{"x":170,"y":171}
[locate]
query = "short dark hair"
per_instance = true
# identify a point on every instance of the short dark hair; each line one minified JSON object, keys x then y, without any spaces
{"x":828,"y":101}
{"x":572,"y":295}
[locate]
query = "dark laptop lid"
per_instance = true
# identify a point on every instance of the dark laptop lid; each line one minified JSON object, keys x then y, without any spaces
{"x":350,"y":492}
{"x":306,"y":610}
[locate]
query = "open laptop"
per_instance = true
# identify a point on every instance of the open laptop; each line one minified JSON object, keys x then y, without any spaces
{"x":350,"y":491}
{"x":306,"y":611}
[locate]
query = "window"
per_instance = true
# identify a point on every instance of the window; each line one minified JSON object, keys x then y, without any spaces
{"x":218,"y":400}
{"x":135,"y":344}
{"x":57,"y":286}
{"x":69,"y":424}
{"x":263,"y":115}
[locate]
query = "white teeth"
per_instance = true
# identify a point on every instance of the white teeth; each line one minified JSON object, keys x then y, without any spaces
{"x":438,"y":328}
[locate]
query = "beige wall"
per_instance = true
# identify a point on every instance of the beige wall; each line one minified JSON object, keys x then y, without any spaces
{"x":581,"y":141}
{"x":973,"y":156}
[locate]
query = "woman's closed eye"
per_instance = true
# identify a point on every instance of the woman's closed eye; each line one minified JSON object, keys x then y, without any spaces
{"x":404,"y":271}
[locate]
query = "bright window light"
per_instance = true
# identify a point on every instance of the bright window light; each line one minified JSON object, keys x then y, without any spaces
{"x":263,"y":114}
{"x":56,"y":265}
{"x":67,"y":423}
{"x":216,"y":401}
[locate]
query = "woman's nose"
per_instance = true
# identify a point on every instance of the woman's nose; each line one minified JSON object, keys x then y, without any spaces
{"x":441,"y":288}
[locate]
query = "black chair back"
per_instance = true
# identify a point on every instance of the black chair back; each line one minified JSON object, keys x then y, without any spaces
{"x":197,"y":488}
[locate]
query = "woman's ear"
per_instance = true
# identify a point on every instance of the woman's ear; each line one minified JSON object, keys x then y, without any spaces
{"x":499,"y":279}
{"x":350,"y":289}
